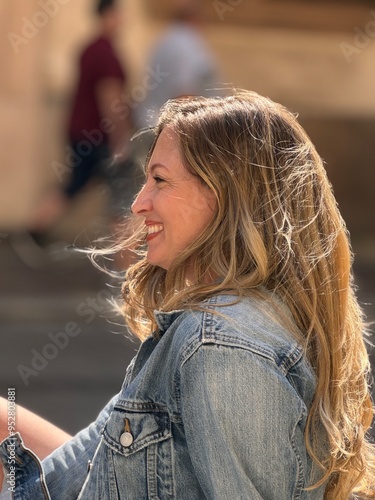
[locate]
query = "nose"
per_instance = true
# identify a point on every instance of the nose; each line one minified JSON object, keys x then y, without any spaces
{"x":142,"y":204}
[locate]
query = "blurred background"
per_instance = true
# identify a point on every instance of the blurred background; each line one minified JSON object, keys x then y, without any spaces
{"x":62,"y":349}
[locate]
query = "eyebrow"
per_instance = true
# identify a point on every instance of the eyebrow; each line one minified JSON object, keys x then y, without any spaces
{"x":155,"y":165}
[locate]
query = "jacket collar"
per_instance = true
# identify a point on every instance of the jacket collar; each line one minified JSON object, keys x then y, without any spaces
{"x":165,"y":319}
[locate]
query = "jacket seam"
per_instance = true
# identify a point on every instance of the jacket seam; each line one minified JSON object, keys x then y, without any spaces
{"x":298,"y":486}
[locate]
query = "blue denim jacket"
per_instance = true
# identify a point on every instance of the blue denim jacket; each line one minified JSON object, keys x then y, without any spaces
{"x":214,"y":407}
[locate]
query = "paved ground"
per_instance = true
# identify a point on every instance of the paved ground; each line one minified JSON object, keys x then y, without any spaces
{"x":40,"y":307}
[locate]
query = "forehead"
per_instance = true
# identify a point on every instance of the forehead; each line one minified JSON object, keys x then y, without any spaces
{"x":167,"y":140}
{"x":166,"y":150}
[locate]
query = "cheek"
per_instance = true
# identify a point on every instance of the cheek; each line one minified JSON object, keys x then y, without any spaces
{"x":193,"y":214}
{"x":206,"y":206}
{"x":200,"y":200}
{"x":200,"y":214}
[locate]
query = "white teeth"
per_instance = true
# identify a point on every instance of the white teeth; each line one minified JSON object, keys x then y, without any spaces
{"x":155,"y":229}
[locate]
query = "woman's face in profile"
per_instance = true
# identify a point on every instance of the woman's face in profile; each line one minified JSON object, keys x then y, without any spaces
{"x":176,"y":205}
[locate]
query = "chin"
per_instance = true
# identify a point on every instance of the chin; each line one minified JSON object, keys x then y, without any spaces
{"x":156,"y":263}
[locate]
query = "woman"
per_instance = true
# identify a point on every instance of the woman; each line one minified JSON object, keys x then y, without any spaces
{"x":251,"y":381}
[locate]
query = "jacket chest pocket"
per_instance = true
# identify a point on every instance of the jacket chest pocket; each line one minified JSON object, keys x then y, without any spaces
{"x":139,"y":442}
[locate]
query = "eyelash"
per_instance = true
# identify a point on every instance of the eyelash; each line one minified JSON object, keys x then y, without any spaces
{"x":158,"y":179}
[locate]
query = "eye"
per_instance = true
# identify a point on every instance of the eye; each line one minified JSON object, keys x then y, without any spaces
{"x":158,"y":179}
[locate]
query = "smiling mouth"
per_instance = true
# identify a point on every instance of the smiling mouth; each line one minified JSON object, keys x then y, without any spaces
{"x":153,"y":230}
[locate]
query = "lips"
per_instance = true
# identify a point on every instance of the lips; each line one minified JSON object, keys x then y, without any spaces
{"x":153,"y":229}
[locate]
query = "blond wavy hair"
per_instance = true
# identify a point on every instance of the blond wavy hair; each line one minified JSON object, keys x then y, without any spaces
{"x":277,"y":228}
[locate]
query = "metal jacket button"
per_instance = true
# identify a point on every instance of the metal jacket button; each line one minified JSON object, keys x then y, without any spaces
{"x":126,"y":438}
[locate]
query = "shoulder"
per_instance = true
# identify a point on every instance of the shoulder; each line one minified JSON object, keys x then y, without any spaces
{"x":100,"y":47}
{"x":246,"y":334}
{"x":247,"y":323}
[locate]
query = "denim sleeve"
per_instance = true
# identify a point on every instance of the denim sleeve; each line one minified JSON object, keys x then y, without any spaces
{"x":59,"y":476}
{"x":244,"y":425}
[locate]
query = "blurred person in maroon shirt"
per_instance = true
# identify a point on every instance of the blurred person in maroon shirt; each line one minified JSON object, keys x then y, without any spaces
{"x":95,"y":130}
{"x":98,"y":138}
